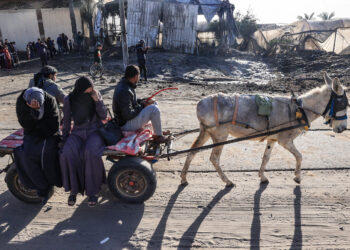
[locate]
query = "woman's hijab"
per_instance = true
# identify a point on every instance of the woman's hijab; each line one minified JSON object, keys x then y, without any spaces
{"x":82,"y":105}
{"x":37,"y":94}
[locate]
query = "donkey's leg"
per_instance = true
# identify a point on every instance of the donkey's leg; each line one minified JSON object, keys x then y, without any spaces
{"x":265,"y":160}
{"x":201,"y":139}
{"x":215,"y":157}
{"x":289,"y":145}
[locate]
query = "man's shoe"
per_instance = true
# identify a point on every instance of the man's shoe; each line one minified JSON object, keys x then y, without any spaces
{"x":167,"y":132}
{"x":160,"y":139}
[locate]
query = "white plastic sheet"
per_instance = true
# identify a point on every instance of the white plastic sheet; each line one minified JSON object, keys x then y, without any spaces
{"x":330,"y":36}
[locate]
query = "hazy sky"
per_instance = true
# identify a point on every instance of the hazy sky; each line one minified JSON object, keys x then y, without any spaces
{"x":282,"y":11}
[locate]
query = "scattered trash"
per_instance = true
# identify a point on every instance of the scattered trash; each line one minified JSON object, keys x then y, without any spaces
{"x":48,"y":209}
{"x":104,"y":241}
{"x":310,"y":173}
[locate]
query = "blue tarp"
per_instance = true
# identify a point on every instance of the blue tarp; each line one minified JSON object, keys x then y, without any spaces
{"x":209,"y":8}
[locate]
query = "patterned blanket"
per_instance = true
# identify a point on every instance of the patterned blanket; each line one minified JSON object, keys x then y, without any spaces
{"x":130,"y":144}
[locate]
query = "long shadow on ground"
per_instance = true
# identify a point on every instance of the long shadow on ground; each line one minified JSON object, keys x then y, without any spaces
{"x":157,"y":237}
{"x":87,"y":227}
{"x":298,"y":234}
{"x":189,"y":236}
{"x":14,"y":216}
{"x":256,"y":223}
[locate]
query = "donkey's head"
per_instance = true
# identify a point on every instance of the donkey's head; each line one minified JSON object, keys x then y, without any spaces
{"x":336,"y":110}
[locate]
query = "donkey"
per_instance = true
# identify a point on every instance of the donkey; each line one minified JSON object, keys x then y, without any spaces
{"x":214,"y":116}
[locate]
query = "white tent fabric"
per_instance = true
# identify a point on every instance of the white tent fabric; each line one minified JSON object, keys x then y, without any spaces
{"x":338,"y":42}
{"x":331,"y":35}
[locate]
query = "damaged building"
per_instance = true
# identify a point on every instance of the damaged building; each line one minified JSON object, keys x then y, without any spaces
{"x":172,"y":24}
{"x":169,"y":24}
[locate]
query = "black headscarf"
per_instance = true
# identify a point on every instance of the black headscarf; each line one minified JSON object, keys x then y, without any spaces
{"x":82,"y":105}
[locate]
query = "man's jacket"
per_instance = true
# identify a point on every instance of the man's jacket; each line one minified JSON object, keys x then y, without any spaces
{"x":125,"y":104}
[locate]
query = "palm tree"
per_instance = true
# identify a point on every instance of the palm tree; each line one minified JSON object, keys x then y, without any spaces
{"x":72,"y":19}
{"x":325,"y":16}
{"x":306,"y":16}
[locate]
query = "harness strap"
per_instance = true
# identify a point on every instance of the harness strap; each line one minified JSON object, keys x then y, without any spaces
{"x":216,"y":111}
{"x":304,"y":119}
{"x":328,"y":104}
{"x":301,"y":115}
{"x":234,"y":118}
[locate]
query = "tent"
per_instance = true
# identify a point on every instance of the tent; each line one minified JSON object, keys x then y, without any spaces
{"x":330,"y":36}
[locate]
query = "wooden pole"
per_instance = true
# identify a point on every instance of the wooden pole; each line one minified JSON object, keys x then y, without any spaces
{"x":335,"y":39}
{"x":124,"y":40}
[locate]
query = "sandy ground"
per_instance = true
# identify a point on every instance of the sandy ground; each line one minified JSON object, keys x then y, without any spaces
{"x":281,"y":215}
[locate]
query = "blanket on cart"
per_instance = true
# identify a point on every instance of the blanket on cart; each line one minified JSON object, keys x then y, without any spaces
{"x":130,"y":144}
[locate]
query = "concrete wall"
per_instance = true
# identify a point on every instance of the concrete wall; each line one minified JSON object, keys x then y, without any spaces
{"x":21,"y":26}
{"x":57,"y":21}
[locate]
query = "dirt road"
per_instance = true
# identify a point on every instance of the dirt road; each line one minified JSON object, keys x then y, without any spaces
{"x":281,"y":215}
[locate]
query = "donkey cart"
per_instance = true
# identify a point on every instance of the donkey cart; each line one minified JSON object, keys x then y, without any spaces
{"x":131,"y":178}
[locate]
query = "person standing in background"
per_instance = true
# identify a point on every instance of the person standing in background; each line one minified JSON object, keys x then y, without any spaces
{"x":141,"y":51}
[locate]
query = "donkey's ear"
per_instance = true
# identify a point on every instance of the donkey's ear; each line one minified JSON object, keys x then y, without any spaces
{"x":327,"y":79}
{"x":336,"y":87}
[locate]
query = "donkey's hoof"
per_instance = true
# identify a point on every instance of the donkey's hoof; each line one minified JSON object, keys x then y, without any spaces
{"x":297,"y":180}
{"x":229,"y":184}
{"x":264,"y":181}
{"x":184,"y":183}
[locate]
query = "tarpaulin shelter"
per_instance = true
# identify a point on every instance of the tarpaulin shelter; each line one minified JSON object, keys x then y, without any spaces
{"x":330,"y":36}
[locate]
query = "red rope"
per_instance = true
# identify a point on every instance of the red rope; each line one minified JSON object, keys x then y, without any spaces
{"x":149,"y":98}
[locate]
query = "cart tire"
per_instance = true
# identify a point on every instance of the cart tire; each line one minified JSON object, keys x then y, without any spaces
{"x":18,"y":190}
{"x":132,"y":179}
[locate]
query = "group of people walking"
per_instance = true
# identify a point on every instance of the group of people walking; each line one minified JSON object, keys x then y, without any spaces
{"x":73,"y":158}
{"x":48,"y":48}
{"x":8,"y":54}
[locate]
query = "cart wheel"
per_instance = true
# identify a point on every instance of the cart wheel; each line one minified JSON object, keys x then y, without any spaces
{"x":18,"y":190}
{"x":132,"y":179}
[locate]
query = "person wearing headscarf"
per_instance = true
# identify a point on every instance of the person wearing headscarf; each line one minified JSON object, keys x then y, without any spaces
{"x":37,"y":159}
{"x":82,"y":167}
{"x":46,"y":80}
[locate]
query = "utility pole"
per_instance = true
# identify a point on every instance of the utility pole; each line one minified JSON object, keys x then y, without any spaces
{"x":124,"y":40}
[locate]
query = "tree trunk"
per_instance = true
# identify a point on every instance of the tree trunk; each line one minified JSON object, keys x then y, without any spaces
{"x":73,"y":21}
{"x":91,"y":31}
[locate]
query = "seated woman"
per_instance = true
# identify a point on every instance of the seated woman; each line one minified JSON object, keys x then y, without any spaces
{"x":37,"y":159}
{"x":81,"y":158}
